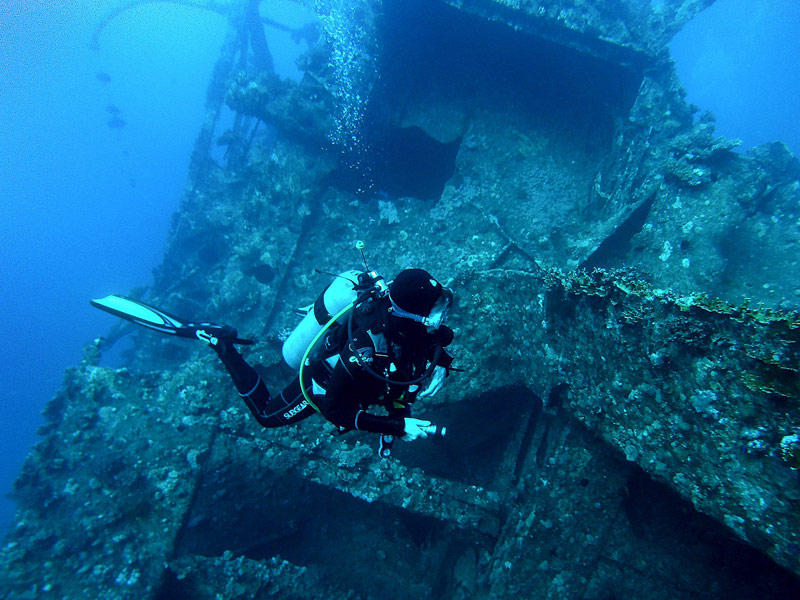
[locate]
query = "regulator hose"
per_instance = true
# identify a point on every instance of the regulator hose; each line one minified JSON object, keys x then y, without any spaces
{"x":314,"y":343}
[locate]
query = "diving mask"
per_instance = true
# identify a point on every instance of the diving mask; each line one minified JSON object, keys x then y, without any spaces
{"x":437,"y":315}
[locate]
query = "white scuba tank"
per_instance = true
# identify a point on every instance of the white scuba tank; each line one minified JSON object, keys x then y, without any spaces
{"x":334,"y":298}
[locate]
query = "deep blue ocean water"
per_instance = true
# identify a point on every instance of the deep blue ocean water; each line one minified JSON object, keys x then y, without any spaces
{"x":741,"y":60}
{"x":86,"y":202}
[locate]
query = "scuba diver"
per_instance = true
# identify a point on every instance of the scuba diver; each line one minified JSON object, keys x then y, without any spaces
{"x":363,"y":344}
{"x":391,"y":341}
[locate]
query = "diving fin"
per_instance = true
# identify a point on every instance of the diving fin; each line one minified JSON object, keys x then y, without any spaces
{"x":153,"y":318}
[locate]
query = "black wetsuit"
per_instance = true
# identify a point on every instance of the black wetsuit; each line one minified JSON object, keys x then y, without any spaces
{"x":337,"y":381}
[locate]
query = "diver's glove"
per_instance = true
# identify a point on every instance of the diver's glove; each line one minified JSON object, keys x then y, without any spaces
{"x":415,"y":428}
{"x":436,"y":382}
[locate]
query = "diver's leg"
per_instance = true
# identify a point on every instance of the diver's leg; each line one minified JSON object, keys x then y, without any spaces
{"x":291,"y":406}
{"x":288,"y":407}
{"x":247,"y":381}
{"x":245,"y":377}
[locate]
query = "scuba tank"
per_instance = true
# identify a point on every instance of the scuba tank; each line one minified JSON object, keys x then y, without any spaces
{"x":339,"y":294}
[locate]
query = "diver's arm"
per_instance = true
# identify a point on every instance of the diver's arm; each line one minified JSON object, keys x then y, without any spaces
{"x":365,"y":421}
{"x":361,"y":420}
{"x":347,"y":417}
{"x":341,"y":404}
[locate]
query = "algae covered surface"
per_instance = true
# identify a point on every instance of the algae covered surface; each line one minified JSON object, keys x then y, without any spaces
{"x":626,"y":422}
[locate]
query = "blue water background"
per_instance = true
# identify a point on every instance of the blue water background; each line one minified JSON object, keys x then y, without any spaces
{"x":741,"y":60}
{"x":85,"y":208}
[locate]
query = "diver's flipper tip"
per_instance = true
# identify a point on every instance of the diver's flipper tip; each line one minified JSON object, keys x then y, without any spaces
{"x":154,"y":318}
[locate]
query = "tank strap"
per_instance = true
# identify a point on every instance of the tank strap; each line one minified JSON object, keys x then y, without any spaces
{"x":321,"y":313}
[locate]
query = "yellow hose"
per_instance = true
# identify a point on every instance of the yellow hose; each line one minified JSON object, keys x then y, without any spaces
{"x":314,"y":343}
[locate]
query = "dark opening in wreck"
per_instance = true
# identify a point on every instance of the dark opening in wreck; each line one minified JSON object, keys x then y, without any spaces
{"x":433,"y":53}
{"x":315,"y":526}
{"x":398,"y":162}
{"x":483,"y":433}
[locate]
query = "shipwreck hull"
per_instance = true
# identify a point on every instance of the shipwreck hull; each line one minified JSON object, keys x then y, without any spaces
{"x":627,"y":423}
